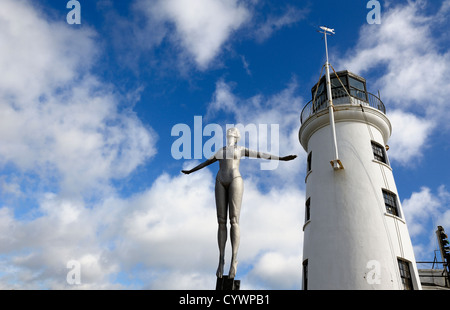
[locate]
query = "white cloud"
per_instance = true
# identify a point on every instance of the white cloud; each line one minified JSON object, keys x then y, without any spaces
{"x":35,"y":253}
{"x":274,"y":240}
{"x":274,"y":23}
{"x":276,"y":270}
{"x":38,"y":55}
{"x":63,"y":126}
{"x":406,"y":45}
{"x":419,"y":208}
{"x":191,"y":33}
{"x":161,"y":238}
{"x":172,"y":230}
{"x":424,"y":211}
{"x":407,"y":49}
{"x":58,"y":120}
{"x":409,"y":137}
{"x":173,"y":219}
{"x":202,"y":26}
{"x":64,"y":135}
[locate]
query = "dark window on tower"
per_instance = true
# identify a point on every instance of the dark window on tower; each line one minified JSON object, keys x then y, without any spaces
{"x":305,"y":275}
{"x":308,"y":210}
{"x":309,"y":162}
{"x":339,"y":86}
{"x":358,"y":88}
{"x":336,"y":83}
{"x":405,"y":274}
{"x":390,"y":201}
{"x":379,"y":152}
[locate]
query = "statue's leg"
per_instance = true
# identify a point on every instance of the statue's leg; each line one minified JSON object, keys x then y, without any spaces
{"x":221,"y":208}
{"x":236,"y":191}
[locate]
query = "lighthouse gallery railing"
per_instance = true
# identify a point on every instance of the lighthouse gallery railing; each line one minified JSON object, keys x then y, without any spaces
{"x":341,"y":97}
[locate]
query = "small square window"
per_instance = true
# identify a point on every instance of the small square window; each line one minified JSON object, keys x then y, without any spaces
{"x":379,"y":152}
{"x":390,"y":201}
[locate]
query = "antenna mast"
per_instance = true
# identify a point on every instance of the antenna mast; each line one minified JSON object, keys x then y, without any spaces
{"x":335,"y":163}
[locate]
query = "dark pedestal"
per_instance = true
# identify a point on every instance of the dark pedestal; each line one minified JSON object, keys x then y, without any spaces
{"x":226,"y":284}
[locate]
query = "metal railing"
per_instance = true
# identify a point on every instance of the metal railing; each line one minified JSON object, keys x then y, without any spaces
{"x":433,"y":276}
{"x":340,"y":97}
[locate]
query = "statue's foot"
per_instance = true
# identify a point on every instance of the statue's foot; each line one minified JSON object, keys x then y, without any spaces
{"x":233,"y":268}
{"x":219,"y":272}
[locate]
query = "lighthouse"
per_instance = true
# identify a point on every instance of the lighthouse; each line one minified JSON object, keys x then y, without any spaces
{"x":355,"y":232}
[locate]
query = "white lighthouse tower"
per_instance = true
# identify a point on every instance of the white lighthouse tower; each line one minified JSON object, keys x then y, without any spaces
{"x":355,"y":234}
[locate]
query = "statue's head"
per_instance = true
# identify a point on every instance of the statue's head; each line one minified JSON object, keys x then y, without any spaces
{"x":233,"y":133}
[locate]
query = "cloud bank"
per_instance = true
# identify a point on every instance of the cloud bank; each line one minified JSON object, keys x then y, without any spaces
{"x":411,"y":70}
{"x":67,"y":135}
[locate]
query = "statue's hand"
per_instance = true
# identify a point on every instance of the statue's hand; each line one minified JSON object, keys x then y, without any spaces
{"x":289,"y":157}
{"x":186,"y":171}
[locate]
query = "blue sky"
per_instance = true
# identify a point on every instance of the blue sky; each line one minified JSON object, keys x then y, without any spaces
{"x":87,"y":111}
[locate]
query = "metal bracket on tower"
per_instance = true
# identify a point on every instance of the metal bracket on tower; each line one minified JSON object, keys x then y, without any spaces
{"x":336,"y":164}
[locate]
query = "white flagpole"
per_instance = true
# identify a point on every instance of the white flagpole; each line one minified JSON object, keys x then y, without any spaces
{"x":336,"y":163}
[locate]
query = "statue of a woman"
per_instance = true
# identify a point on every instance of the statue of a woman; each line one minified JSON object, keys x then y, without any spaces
{"x":228,"y":191}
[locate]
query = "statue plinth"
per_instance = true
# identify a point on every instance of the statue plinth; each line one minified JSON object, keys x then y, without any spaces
{"x":226,"y":284}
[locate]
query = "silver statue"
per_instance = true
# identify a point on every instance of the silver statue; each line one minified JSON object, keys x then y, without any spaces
{"x":228,"y":191}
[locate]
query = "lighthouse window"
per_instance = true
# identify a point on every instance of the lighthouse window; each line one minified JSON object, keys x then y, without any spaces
{"x":405,"y":274}
{"x":357,"y":88}
{"x":335,"y":82}
{"x":390,"y":201}
{"x":337,"y":88}
{"x":356,"y":84}
{"x":320,"y":96}
{"x":308,"y":210}
{"x":309,"y":162}
{"x":320,"y":90}
{"x":379,"y":152}
{"x":305,"y":275}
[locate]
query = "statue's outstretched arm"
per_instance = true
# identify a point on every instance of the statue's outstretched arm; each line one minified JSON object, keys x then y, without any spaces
{"x":257,"y":154}
{"x":202,"y":165}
